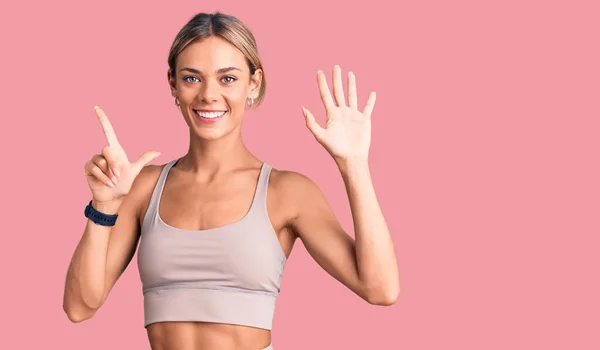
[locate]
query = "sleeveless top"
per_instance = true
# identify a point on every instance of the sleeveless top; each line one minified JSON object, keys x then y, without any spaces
{"x":229,"y":274}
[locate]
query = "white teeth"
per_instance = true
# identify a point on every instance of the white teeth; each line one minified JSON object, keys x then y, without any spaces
{"x":210,"y":115}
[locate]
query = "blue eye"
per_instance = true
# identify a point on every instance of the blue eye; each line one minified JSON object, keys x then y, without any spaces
{"x":186,"y":79}
{"x":232,"y":79}
{"x":193,"y":79}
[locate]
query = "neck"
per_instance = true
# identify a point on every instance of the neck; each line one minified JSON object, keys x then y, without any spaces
{"x":216,"y":156}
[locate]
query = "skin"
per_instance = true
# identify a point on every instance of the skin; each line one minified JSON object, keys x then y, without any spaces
{"x":212,"y":186}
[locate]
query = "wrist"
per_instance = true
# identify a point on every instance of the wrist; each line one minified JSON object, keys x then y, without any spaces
{"x":107,"y":207}
{"x":352,"y":165}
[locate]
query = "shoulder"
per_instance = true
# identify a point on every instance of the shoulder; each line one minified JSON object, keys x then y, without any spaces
{"x":143,"y":186}
{"x":293,"y":188}
{"x":147,"y":177}
{"x":291,"y":181}
{"x":301,"y":202}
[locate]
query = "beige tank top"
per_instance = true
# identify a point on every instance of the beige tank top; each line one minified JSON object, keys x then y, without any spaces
{"x":230,"y":274}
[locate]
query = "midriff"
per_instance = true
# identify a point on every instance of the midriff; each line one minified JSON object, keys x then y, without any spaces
{"x":206,"y":336}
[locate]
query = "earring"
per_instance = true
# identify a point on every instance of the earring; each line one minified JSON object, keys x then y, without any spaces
{"x":177,"y":101}
{"x":250,"y":102}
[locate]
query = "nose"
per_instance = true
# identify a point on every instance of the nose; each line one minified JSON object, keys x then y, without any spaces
{"x":209,"y":91}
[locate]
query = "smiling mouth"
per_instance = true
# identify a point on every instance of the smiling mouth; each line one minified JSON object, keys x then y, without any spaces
{"x":209,"y":115}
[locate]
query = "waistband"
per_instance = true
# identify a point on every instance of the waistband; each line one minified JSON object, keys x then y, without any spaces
{"x":209,"y":305}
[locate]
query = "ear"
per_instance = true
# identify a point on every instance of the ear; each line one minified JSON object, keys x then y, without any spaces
{"x":255,"y":83}
{"x":172,"y":83}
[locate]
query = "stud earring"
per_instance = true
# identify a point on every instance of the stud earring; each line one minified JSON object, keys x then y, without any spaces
{"x":250,"y":102}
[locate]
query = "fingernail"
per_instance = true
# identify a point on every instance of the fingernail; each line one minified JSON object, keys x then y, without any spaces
{"x":96,"y":107}
{"x":114,"y":180}
{"x":319,"y":71}
{"x":117,"y":172}
{"x":304,"y":111}
{"x":110,"y":183}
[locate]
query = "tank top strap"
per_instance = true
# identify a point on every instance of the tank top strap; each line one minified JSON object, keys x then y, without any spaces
{"x":157,"y":192}
{"x":260,"y":195}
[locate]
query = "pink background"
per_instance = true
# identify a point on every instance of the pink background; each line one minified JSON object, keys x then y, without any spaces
{"x":485,"y":157}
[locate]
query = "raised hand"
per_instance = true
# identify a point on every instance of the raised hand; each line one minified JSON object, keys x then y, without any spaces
{"x":347,"y":134}
{"x":110,"y":174}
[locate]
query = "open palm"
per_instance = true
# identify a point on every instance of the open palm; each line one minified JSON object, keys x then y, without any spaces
{"x":347,"y":133}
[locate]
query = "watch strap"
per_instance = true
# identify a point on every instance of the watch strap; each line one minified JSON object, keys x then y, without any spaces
{"x":99,"y":217}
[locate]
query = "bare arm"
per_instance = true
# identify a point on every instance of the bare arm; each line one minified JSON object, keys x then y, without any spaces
{"x":102,"y":255}
{"x":377,"y":266}
{"x":366,"y":264}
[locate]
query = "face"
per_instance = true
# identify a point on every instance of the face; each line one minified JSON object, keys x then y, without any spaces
{"x":213,"y":83}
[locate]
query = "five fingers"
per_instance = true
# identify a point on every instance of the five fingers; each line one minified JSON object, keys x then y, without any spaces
{"x":338,"y":99}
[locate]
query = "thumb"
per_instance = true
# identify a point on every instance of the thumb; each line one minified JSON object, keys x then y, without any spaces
{"x":312,"y":124}
{"x":144,"y":159}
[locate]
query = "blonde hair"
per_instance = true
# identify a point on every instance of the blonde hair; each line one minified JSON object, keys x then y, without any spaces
{"x":227,"y":27}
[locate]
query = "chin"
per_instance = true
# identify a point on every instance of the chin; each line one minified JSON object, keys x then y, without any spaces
{"x":210,"y":133}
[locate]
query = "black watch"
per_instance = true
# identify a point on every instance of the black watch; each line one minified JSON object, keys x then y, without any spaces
{"x":98,"y":217}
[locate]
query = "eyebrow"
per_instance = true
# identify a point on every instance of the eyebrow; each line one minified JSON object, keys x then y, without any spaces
{"x":220,"y":71}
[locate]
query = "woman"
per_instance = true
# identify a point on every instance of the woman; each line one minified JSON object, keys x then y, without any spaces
{"x":212,"y":243}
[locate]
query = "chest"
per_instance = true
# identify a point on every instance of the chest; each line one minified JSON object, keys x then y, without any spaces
{"x":189,"y":206}
{"x":198,"y":207}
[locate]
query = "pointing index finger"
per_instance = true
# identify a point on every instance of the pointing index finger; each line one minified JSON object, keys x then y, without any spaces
{"x":109,"y":132}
